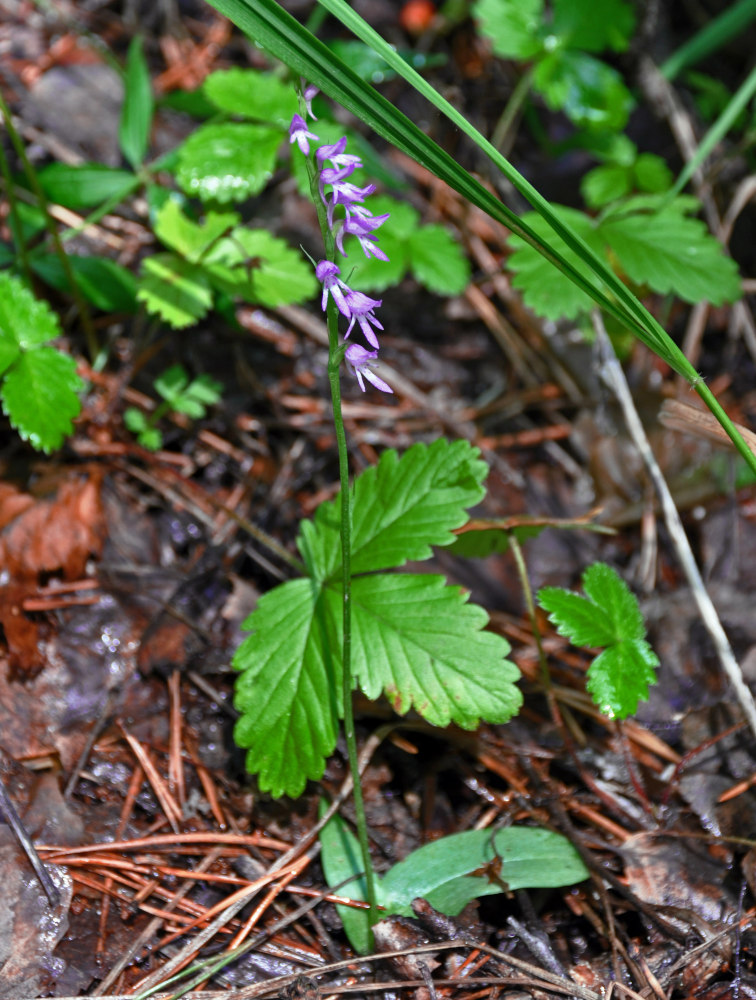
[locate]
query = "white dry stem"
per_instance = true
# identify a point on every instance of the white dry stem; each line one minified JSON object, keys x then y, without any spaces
{"x":613,"y":376}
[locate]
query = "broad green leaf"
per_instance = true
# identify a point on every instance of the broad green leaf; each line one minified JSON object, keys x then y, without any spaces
{"x":288,"y":688}
{"x":514,"y":26}
{"x":619,"y":677}
{"x":545,"y":291}
{"x":529,"y":858}
{"x":136,"y":114}
{"x":25,"y":321}
{"x":401,"y":507}
{"x":437,"y":261}
{"x":606,"y":183}
{"x":87,"y":185}
{"x":420,"y":643}
{"x":652,"y":173}
{"x":107,"y":285}
{"x":606,"y":588}
{"x":581,"y":620}
{"x":590,"y":93}
{"x":672,"y":253}
{"x":278,"y":274}
{"x":174,"y":289}
{"x":228,"y":162}
{"x":253,"y":94}
{"x":342,"y":859}
{"x":40,"y":397}
{"x":518,"y":857}
{"x":188,"y":238}
{"x":579,"y":25}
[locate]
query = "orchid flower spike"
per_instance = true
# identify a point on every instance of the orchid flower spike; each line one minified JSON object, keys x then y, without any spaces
{"x":361,"y":362}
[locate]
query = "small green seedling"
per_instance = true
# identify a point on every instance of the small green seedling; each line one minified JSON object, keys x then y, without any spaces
{"x":180,"y":395}
{"x":609,"y":617}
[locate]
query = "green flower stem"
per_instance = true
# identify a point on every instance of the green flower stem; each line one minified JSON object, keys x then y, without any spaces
{"x":31,"y":174}
{"x":335,"y":357}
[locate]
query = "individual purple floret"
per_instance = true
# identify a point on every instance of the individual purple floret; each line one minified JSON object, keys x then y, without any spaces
{"x":335,"y":153}
{"x":328,"y":274}
{"x":361,"y":308}
{"x":299,"y":133}
{"x":362,"y":227}
{"x":361,"y":361}
{"x":309,"y":93}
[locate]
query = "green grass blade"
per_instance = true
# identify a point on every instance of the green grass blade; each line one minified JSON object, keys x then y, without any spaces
{"x":712,"y":36}
{"x":717,"y":132}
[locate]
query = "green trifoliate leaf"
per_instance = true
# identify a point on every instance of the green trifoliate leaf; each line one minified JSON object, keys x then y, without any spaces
{"x":605,"y":184}
{"x":606,"y":589}
{"x":86,"y":185}
{"x":672,"y":253}
{"x":608,"y":616}
{"x":437,"y":262}
{"x":420,"y":643}
{"x":514,"y":26}
{"x":25,"y":321}
{"x":40,"y":397}
{"x":590,"y":93}
{"x":401,"y":507}
{"x":579,"y":25}
{"x":174,"y":289}
{"x":662,"y":248}
{"x":261,"y":268}
{"x":414,"y":638}
{"x":136,"y":114}
{"x":188,"y":238}
{"x":287,"y":693}
{"x":582,"y":621}
{"x":544,"y":289}
{"x":652,"y":173}
{"x":227,"y":162}
{"x":171,"y":384}
{"x":619,"y":677}
{"x":253,"y":94}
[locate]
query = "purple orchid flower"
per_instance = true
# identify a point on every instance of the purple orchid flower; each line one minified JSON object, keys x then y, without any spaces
{"x":328,"y":274}
{"x":361,"y":363}
{"x":361,"y":308}
{"x":299,"y":133}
